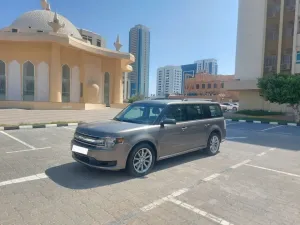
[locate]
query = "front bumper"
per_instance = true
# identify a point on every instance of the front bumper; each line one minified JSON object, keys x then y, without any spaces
{"x":109,"y":159}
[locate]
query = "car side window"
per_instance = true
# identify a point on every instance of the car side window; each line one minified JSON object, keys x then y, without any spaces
{"x":135,"y":112}
{"x":214,"y":111}
{"x":176,"y":112}
{"x":195,"y":112}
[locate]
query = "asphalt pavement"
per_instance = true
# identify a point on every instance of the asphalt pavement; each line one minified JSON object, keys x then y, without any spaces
{"x":255,"y":179}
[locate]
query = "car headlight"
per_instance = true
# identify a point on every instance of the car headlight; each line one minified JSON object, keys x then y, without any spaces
{"x":109,"y":142}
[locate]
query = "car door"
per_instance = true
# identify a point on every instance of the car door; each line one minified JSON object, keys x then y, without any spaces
{"x":172,"y":137}
{"x":196,"y":126}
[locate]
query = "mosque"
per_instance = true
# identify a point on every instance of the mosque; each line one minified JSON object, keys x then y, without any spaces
{"x":46,"y":64}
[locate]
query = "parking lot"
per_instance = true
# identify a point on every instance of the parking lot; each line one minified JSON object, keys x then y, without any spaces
{"x":255,"y":179}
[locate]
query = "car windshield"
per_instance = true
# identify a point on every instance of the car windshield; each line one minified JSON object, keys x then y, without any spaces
{"x":140,"y":113}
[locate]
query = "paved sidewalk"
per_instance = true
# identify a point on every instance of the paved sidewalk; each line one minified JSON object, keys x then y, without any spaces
{"x":21,"y":116}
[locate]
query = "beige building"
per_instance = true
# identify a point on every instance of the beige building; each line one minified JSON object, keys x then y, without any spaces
{"x":268,"y":41}
{"x":46,"y":64}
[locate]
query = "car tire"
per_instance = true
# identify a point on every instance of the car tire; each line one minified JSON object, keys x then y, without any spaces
{"x":213,"y":144}
{"x":139,"y":165}
{"x":234,"y":109}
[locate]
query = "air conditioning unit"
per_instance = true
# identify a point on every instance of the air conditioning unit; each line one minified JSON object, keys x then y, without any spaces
{"x":285,"y":67}
{"x":268,"y":69}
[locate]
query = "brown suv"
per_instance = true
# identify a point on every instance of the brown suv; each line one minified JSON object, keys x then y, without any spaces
{"x":148,"y":131}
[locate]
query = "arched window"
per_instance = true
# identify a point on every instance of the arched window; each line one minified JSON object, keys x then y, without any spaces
{"x":28,"y":81}
{"x":66,"y":83}
{"x":2,"y":81}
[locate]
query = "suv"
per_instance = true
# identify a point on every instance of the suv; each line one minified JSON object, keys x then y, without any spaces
{"x":148,"y":131}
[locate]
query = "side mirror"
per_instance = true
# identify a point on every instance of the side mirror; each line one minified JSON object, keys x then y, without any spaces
{"x":168,"y":121}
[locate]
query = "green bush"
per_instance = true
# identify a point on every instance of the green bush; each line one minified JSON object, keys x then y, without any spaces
{"x":259,"y":113}
{"x":135,"y":98}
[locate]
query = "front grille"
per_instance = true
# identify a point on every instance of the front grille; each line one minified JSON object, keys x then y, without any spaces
{"x":92,"y":161}
{"x":88,"y":140}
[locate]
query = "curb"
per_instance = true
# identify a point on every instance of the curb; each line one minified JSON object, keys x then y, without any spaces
{"x":23,"y":127}
{"x":264,"y":122}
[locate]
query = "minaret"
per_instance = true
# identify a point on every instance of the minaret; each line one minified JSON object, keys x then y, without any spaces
{"x":56,"y":24}
{"x":117,"y":44}
{"x":45,"y":5}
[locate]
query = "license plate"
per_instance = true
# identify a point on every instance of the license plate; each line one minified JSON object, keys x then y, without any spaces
{"x":79,"y":149}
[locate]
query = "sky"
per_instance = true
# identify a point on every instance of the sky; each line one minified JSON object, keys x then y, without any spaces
{"x":181,"y":31}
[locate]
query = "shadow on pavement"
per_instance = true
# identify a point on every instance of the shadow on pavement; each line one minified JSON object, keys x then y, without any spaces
{"x":284,"y":138}
{"x":77,"y":176}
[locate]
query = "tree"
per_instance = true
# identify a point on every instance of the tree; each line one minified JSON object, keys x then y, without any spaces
{"x":282,"y":89}
{"x":135,"y":98}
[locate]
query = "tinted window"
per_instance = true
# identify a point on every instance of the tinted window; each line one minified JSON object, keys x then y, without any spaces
{"x":140,"y":113}
{"x":176,"y":112}
{"x":214,"y":111}
{"x":194,"y":112}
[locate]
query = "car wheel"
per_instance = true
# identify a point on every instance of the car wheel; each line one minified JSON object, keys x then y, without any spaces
{"x":234,"y":109}
{"x":213,"y":144}
{"x":141,"y":160}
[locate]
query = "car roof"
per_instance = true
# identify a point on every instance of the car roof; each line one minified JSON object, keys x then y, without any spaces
{"x":172,"y":102}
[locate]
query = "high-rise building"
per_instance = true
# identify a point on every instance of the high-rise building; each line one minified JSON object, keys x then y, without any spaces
{"x":188,"y":71}
{"x":139,"y":46}
{"x":267,"y":42}
{"x":209,"y":66}
{"x":169,"y":80}
{"x":93,"y":38}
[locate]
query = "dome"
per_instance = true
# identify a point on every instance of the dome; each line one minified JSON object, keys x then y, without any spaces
{"x":38,"y":20}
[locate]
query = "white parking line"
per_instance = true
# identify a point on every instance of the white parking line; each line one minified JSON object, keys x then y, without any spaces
{"x":240,"y":164}
{"x":28,"y":150}
{"x":261,"y":154}
{"x":24,"y":179}
{"x":276,"y":171}
{"x":270,"y":128}
{"x":231,"y":123}
{"x":18,"y":140}
{"x":163,"y":200}
{"x":200,"y":212}
{"x":211,"y":177}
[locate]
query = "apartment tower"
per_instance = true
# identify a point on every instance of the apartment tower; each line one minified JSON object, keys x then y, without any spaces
{"x":267,"y":42}
{"x":139,"y":46}
{"x":169,"y":80}
{"x":209,"y":66}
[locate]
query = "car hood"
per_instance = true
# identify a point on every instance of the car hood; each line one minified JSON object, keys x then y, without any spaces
{"x":110,"y":127}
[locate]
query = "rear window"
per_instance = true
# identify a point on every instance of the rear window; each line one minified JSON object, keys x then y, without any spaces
{"x":215,"y":111}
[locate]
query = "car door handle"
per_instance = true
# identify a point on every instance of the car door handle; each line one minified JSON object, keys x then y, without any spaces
{"x":183,"y":128}
{"x":207,"y":125}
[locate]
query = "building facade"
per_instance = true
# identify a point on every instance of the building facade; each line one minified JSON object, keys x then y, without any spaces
{"x":139,"y":46}
{"x":46,"y":64}
{"x":169,"y":80}
{"x":268,"y":42}
{"x":188,"y":71}
{"x":209,"y":66}
{"x":209,"y":86}
{"x":92,"y":38}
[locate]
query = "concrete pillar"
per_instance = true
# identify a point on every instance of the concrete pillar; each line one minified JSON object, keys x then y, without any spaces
{"x":117,"y":83}
{"x":84,"y":97}
{"x":55,"y":74}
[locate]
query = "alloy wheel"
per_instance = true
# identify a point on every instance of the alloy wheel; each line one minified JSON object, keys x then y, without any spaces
{"x":142,"y":160}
